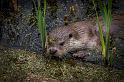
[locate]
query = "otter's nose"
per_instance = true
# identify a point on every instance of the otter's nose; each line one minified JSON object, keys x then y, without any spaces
{"x":52,"y":50}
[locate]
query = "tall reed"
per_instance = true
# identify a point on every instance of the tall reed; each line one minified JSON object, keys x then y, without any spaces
{"x":41,"y":24}
{"x":106,"y":18}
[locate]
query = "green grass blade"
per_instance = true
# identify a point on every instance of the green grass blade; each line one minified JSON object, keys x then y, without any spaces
{"x":45,"y":32}
{"x":101,"y":33}
{"x":41,"y":24}
{"x":101,"y":38}
{"x":44,"y":8}
{"x":107,"y":17}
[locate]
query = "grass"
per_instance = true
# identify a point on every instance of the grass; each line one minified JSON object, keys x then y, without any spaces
{"x":41,"y":24}
{"x":25,"y":66}
{"x":105,"y":42}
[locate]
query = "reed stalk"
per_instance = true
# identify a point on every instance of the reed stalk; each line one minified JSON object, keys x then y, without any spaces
{"x":41,"y":24}
{"x":107,"y":18}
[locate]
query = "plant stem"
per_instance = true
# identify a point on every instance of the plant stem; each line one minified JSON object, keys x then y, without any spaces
{"x":105,"y":43}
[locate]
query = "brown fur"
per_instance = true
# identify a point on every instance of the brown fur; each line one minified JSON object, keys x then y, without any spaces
{"x":79,"y":37}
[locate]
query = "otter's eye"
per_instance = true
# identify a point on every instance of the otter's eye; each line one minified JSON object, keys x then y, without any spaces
{"x":51,"y":41}
{"x":61,"y":44}
{"x":70,"y":35}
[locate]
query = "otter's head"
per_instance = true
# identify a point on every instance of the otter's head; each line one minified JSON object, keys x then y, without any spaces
{"x":62,"y":40}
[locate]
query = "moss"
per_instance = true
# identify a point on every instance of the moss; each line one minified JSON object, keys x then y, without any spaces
{"x":25,"y":66}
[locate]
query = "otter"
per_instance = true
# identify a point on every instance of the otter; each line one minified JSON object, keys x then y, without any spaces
{"x":75,"y":38}
{"x":79,"y":38}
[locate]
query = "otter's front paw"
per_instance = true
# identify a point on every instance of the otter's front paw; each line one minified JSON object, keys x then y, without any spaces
{"x":80,"y":54}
